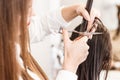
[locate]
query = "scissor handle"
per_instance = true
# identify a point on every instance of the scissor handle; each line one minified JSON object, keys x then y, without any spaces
{"x":83,"y":25}
{"x":89,"y":5}
{"x":88,"y":8}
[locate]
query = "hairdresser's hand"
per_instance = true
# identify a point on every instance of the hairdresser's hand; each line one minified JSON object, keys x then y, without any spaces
{"x":90,"y":17}
{"x":70,"y":12}
{"x":75,"y":52}
{"x":94,"y":13}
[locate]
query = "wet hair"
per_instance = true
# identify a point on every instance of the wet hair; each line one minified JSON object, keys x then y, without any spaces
{"x":117,"y":33}
{"x":99,"y":57}
{"x":13,"y":20}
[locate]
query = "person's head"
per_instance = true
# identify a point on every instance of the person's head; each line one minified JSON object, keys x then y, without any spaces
{"x":99,"y":53}
{"x":12,"y":17}
{"x":13,"y":29}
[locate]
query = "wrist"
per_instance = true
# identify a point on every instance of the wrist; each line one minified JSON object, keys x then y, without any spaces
{"x":70,"y":67}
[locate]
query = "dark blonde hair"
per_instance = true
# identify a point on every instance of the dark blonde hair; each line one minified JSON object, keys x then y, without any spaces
{"x":13,"y":19}
{"x":99,"y":57}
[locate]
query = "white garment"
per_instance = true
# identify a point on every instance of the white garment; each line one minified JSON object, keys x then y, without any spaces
{"x":44,"y":25}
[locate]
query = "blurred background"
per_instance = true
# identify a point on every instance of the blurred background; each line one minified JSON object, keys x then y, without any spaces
{"x":49,"y":53}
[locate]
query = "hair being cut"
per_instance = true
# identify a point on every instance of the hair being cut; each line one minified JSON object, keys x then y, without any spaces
{"x":99,"y":57}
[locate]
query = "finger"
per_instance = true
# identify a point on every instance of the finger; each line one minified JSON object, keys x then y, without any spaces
{"x":87,"y":53}
{"x":78,"y":38}
{"x":94,"y":27}
{"x":84,"y":38}
{"x":83,"y":12}
{"x":90,"y":36}
{"x":65,"y":36}
{"x":85,"y":56}
{"x":87,"y":47}
{"x":92,"y":15}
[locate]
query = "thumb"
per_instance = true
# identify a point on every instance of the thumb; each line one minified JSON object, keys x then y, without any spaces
{"x":84,"y":38}
{"x":65,"y":36}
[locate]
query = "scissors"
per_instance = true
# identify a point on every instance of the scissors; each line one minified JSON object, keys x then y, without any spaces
{"x":86,"y":33}
{"x":82,"y":33}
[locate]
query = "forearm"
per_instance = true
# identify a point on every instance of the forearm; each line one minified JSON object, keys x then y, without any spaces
{"x":69,"y":12}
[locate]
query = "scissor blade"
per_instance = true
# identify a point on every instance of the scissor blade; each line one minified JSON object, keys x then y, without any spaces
{"x":95,"y":33}
{"x":87,"y":33}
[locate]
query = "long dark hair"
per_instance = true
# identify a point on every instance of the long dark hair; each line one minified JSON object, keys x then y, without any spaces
{"x":13,"y":28}
{"x":117,"y":33}
{"x":99,"y":57}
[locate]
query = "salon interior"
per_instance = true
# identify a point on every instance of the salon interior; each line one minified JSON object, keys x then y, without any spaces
{"x":49,"y":53}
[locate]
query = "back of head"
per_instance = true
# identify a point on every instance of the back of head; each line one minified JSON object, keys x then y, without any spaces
{"x":99,"y":54}
{"x":13,"y":29}
{"x":12,"y":12}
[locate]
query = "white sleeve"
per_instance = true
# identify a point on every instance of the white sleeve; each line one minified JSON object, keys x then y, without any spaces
{"x":66,"y":75}
{"x":40,"y":26}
